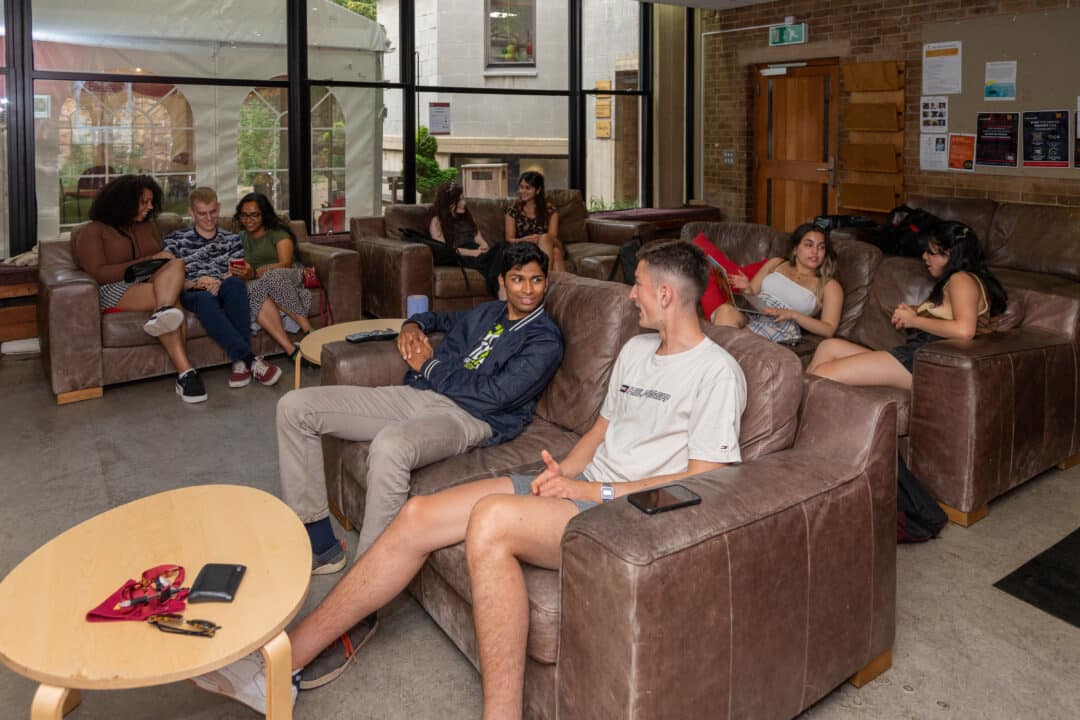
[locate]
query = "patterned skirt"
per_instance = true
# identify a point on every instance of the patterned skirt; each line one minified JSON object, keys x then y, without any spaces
{"x":284,"y":286}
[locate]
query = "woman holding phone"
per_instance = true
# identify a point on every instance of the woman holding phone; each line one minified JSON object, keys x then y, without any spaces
{"x":275,"y":283}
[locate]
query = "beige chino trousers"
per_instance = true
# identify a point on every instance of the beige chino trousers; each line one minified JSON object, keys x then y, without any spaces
{"x":407,"y":429}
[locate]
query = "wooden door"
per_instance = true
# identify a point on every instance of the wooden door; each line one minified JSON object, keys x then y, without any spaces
{"x":796,"y":135}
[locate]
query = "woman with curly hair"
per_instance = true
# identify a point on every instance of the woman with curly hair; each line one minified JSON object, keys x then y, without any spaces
{"x":121,"y":233}
{"x":531,"y":218}
{"x":964,"y":302}
{"x":275,"y":277}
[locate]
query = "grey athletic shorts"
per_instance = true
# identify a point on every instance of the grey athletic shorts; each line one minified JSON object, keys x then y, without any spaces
{"x":523,"y":486}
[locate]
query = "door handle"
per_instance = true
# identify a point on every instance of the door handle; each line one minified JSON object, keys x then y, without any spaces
{"x":831,"y":169}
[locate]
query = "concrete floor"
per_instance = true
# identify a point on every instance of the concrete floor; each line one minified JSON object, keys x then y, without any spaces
{"x":963,"y":649}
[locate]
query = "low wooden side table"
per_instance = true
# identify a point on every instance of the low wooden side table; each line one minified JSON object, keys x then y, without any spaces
{"x":312,"y":345}
{"x":44,"y":600}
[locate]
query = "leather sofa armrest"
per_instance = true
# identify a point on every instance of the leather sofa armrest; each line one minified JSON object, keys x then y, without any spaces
{"x":392,"y":270}
{"x":617,"y":232}
{"x":69,"y":324}
{"x":374,"y":226}
{"x":989,"y":413}
{"x":777,"y":574}
{"x":339,"y":273}
{"x":786,"y":569}
{"x":369,"y":364}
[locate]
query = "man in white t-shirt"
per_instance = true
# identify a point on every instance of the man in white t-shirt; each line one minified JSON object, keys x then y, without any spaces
{"x":673,"y":406}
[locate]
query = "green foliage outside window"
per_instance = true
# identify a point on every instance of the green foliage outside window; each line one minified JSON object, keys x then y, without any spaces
{"x":360,"y":7}
{"x":428,"y":175}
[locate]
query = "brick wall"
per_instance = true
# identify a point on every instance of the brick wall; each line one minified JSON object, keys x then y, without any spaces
{"x":861,"y":31}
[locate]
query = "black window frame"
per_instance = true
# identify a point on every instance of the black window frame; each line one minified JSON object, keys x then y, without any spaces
{"x":21,"y":76}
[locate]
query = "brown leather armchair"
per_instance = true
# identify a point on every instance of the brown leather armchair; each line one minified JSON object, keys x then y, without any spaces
{"x":394,"y":269}
{"x":784,"y":576}
{"x":84,"y":350}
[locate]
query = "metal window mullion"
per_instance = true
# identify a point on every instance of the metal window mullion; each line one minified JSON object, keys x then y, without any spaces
{"x":576,"y":120}
{"x":407,"y":73}
{"x":299,"y":130}
{"x":22,"y":201}
{"x":645,"y":82}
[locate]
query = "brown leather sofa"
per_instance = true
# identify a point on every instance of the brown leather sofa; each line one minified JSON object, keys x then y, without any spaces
{"x":987,"y":415}
{"x":394,"y":269}
{"x":756,"y":603}
{"x":85,"y":350}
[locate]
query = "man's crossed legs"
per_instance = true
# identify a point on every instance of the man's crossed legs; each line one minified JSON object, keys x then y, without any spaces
{"x":501,"y":530}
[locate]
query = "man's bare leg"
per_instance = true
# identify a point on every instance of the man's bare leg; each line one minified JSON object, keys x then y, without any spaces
{"x":424,"y":525}
{"x":503,"y":532}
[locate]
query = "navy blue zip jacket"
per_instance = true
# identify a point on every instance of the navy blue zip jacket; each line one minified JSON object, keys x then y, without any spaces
{"x":495,"y":377}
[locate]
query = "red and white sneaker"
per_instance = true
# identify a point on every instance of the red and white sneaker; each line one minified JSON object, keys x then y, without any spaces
{"x":240,"y":375}
{"x":264,"y":372}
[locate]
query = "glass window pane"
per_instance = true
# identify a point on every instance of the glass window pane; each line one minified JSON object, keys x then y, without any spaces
{"x":353,"y":40}
{"x":224,"y":38}
{"x":612,"y":152}
{"x":492,"y":44}
{"x":347,"y":177}
{"x":511,"y":134}
{"x":5,"y":242}
{"x":609,"y":32}
{"x":229,"y":138}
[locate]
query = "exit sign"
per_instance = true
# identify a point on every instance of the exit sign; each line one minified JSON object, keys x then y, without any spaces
{"x":787,"y":34}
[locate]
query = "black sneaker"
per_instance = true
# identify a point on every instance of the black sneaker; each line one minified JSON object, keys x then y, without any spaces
{"x":190,"y":388}
{"x":334,"y":660}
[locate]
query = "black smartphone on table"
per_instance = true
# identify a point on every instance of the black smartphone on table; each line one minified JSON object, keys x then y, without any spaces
{"x":662,"y":499}
{"x":367,"y":335}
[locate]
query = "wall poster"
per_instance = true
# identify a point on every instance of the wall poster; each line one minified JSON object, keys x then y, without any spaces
{"x":941,"y":65}
{"x":1000,"y":81}
{"x":934,"y":114}
{"x":1046,"y":138}
{"x":962,"y":152}
{"x":997,"y":140}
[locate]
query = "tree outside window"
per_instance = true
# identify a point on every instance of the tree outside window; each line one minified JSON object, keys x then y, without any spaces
{"x":511,"y":33}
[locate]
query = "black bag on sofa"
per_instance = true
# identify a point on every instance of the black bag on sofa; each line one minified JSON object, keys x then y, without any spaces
{"x":900,"y":235}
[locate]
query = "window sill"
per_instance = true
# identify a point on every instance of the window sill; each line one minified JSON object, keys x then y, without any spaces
{"x":510,"y":72}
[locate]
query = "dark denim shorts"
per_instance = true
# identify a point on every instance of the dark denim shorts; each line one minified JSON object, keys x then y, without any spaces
{"x":523,"y":486}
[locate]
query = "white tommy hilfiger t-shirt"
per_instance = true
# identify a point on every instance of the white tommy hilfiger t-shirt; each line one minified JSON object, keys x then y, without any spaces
{"x":664,"y":410}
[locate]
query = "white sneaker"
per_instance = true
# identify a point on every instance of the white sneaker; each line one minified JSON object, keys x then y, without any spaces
{"x":265,"y":372}
{"x":164,"y":320}
{"x":243,"y":681}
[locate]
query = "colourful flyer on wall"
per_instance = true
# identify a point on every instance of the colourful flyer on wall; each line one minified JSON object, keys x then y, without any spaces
{"x":1000,"y":80}
{"x":934,"y":114}
{"x":1046,"y":138}
{"x":997,"y":139}
{"x":962,"y":152}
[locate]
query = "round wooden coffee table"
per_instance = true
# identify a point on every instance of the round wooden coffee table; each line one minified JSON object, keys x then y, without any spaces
{"x":44,"y":600}
{"x":312,"y":345}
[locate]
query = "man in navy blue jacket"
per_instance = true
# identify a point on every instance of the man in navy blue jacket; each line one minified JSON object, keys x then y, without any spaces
{"x":478,"y":388}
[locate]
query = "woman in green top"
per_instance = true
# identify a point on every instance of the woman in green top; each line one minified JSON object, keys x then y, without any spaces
{"x":275,"y":283}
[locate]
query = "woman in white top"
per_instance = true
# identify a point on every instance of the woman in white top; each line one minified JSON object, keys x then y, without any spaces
{"x":798,"y":288}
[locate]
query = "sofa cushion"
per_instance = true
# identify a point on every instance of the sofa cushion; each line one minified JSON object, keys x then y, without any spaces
{"x":743,"y":243}
{"x":449,"y":282}
{"x":413,"y":217}
{"x":976,"y":213}
{"x":1036,"y":238}
{"x":774,"y":390}
{"x":856,"y":262}
{"x":572,"y":215}
{"x":897,"y":280}
{"x":596,"y":318}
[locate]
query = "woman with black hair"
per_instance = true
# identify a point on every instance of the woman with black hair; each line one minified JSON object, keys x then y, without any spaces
{"x":451,"y":223}
{"x":121,"y":233}
{"x":531,"y":218}
{"x":275,"y":279}
{"x":965,"y":302}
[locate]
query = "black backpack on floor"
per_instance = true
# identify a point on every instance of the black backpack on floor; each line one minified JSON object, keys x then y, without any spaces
{"x":918,"y":516}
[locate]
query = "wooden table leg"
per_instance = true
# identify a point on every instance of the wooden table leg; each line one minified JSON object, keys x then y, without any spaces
{"x":53,"y":703}
{"x":296,"y":373}
{"x":278,"y":656}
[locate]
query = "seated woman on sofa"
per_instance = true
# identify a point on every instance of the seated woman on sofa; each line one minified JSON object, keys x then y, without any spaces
{"x":797,"y":291}
{"x":450,"y":222}
{"x":121,"y":233}
{"x":964,"y":302}
{"x":275,"y":278}
{"x":531,"y":218}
